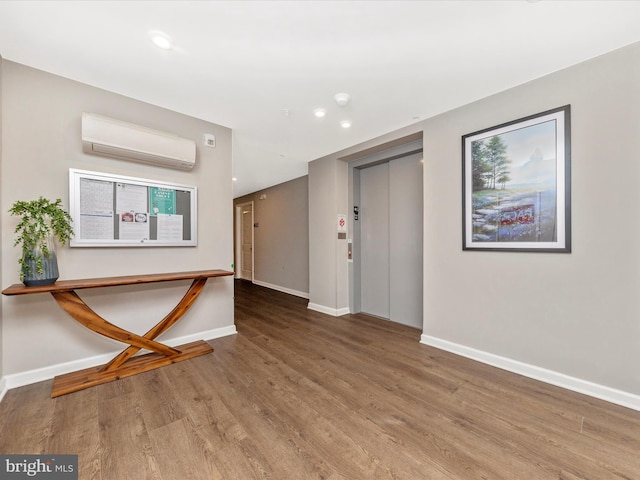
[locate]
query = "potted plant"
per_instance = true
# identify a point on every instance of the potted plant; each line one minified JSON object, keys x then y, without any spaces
{"x":42,"y":222}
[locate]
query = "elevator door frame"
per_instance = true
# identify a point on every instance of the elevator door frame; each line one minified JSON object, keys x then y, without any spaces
{"x":355,"y":166}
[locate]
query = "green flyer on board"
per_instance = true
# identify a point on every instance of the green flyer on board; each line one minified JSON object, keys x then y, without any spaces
{"x":162,"y":201}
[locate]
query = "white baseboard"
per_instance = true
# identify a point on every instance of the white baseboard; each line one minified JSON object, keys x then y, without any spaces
{"x":33,"y":376}
{"x":3,"y":388}
{"x":311,"y":306}
{"x":602,"y":392}
{"x":282,"y":289}
{"x":334,"y":312}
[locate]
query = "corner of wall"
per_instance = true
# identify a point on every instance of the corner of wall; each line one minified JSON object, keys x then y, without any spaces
{"x":3,"y":388}
{"x":2,"y":383}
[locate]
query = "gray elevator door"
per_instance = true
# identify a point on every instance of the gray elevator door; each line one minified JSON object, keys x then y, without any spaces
{"x":391,"y":240}
{"x":374,"y":240}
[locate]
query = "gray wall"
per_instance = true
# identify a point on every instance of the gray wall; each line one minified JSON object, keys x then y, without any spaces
{"x":568,"y":318}
{"x":574,"y":313}
{"x":2,"y":208}
{"x":329,"y":272}
{"x":281,"y":242}
{"x":328,"y":193}
{"x":41,"y":130}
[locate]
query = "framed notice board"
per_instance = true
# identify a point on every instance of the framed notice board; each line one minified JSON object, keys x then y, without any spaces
{"x":116,"y":211}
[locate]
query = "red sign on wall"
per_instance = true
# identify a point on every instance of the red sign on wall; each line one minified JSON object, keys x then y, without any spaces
{"x":517,"y":214}
{"x":342,"y":223}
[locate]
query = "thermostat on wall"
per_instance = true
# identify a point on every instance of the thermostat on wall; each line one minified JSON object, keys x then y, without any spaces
{"x":209,"y":140}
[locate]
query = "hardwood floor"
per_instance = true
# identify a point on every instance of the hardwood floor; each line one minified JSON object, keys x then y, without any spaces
{"x":300,"y":395}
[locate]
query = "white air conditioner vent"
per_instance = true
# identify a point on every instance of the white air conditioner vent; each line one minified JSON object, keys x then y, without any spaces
{"x":114,"y":138}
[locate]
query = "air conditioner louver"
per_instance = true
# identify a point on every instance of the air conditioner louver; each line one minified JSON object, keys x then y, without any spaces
{"x":114,"y":138}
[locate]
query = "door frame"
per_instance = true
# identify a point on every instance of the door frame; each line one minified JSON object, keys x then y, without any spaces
{"x":238,"y":240}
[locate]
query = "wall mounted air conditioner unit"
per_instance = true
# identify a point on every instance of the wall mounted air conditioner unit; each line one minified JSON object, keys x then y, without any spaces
{"x":114,"y":138}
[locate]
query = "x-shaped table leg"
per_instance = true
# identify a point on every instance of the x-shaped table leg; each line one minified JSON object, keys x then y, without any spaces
{"x":118,"y":367}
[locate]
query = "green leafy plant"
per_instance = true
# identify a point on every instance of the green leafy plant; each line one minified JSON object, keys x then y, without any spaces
{"x":42,"y":219}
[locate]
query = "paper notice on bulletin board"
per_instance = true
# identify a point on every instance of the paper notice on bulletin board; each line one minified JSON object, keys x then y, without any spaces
{"x":134,"y":226}
{"x":96,"y":214}
{"x":169,"y":227}
{"x":130,"y":198}
{"x":162,"y":201}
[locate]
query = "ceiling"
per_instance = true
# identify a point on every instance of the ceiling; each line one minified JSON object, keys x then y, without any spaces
{"x":263,"y":67}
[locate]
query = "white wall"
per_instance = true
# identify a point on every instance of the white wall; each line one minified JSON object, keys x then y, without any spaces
{"x":41,"y":130}
{"x":571,"y":319}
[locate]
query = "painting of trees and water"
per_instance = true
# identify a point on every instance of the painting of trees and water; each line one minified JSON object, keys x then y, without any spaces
{"x":516,"y":186}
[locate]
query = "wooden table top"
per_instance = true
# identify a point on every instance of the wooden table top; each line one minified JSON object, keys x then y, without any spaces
{"x":21,"y":289}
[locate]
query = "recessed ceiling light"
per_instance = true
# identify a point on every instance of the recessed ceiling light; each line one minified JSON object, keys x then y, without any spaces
{"x":345,"y":123}
{"x":161,"y":40}
{"x":319,"y":112}
{"x":234,"y":179}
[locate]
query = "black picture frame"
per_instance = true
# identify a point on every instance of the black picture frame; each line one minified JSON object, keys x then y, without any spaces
{"x":516,"y":185}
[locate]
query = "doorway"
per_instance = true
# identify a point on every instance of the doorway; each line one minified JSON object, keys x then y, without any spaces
{"x":244,"y":241}
{"x":389,"y":238}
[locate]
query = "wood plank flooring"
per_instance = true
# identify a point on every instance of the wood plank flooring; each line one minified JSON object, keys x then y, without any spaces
{"x":300,"y":395}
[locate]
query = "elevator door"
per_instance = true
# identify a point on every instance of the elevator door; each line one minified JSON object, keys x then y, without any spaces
{"x":391,"y":240}
{"x":374,"y":240}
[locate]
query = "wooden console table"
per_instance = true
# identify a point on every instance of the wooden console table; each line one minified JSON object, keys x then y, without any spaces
{"x":123,"y":365}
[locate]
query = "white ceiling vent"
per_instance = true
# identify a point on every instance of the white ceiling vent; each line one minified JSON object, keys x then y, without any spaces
{"x":114,"y":138}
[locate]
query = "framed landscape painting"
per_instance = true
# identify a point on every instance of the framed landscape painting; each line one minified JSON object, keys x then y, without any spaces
{"x":516,"y":185}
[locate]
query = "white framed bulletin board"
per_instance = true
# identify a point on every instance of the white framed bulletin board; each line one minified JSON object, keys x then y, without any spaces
{"x":117,"y":211}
